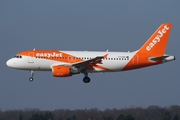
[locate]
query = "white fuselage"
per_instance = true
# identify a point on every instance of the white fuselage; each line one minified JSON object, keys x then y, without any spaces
{"x":114,"y":62}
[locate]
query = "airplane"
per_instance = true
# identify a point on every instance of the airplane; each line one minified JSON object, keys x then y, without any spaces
{"x":68,"y":63}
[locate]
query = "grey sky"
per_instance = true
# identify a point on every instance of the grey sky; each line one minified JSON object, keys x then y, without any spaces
{"x":87,"y":25}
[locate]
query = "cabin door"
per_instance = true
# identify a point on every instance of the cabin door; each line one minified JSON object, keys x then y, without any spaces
{"x":30,"y":57}
{"x":135,"y":60}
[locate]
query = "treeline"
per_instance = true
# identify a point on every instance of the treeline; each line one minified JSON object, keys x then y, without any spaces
{"x":149,"y":113}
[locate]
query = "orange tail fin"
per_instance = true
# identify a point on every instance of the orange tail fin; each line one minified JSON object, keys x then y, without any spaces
{"x":156,"y":44}
{"x":152,"y":52}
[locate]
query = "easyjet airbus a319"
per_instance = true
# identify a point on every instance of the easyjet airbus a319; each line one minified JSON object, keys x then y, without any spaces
{"x":68,"y":63}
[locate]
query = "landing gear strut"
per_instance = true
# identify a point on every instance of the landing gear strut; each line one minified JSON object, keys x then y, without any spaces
{"x":31,"y":78}
{"x":86,"y":79}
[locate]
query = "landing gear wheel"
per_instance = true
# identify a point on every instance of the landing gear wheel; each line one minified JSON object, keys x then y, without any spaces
{"x":31,"y":79}
{"x":86,"y":79}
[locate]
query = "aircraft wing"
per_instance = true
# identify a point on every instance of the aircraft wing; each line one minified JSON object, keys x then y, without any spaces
{"x":90,"y":63}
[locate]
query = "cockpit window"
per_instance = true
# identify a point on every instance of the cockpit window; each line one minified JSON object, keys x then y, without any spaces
{"x":18,"y":56}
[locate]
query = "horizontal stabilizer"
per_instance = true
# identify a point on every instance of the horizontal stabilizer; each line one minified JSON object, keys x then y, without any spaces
{"x":165,"y":58}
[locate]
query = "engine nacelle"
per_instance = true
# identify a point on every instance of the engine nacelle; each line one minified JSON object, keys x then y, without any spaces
{"x":63,"y":71}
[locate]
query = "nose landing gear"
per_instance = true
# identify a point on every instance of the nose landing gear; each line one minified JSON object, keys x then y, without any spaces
{"x":31,"y":78}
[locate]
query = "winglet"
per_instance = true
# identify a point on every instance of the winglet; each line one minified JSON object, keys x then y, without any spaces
{"x":105,"y":56}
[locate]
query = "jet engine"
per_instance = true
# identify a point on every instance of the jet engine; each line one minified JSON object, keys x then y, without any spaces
{"x":64,"y":71}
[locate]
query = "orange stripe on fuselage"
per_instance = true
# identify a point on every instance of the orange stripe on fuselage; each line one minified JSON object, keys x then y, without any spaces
{"x":141,"y":61}
{"x":100,"y":67}
{"x":56,"y":55}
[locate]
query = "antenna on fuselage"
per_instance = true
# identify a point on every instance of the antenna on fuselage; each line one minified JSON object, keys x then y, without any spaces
{"x":107,"y":50}
{"x":34,"y":49}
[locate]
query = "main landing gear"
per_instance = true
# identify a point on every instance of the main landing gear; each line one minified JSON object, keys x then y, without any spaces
{"x":86,"y":79}
{"x":31,"y":78}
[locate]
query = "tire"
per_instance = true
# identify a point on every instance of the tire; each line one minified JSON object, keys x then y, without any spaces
{"x":86,"y":79}
{"x":31,"y":79}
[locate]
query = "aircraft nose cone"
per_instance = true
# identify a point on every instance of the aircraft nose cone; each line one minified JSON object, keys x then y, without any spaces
{"x":9,"y":63}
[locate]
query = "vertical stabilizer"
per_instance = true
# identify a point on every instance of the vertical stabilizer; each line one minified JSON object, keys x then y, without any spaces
{"x":153,"y":51}
{"x":156,"y":44}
